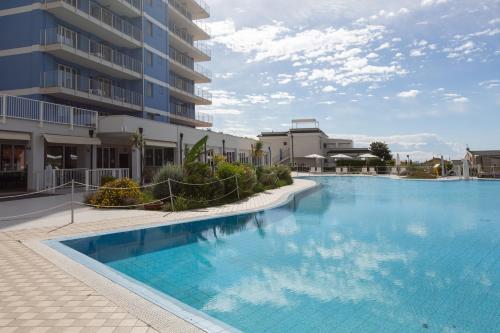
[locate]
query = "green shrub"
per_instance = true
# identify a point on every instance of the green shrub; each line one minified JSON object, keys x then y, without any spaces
{"x":169,"y":171}
{"x":119,"y":192}
{"x":284,"y":174}
{"x":282,"y":183}
{"x":106,"y":179}
{"x":246,"y":178}
{"x":199,"y":173}
{"x":268,"y":178}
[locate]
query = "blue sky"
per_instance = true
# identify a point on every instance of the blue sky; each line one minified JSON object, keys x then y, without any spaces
{"x":423,"y":76}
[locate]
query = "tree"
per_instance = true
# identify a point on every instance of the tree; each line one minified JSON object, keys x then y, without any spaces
{"x":381,"y":150}
{"x":196,"y":150}
{"x":258,"y":150}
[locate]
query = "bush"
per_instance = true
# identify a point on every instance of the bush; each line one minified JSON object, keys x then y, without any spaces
{"x":284,"y":174}
{"x":246,"y":178}
{"x":268,"y":178}
{"x":106,"y":179}
{"x":119,"y":192}
{"x":199,"y":173}
{"x":169,"y":171}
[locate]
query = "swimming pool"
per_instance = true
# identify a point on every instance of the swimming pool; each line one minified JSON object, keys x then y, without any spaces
{"x":356,"y":254}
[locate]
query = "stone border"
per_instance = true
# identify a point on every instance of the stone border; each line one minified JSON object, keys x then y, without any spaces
{"x":145,"y":310}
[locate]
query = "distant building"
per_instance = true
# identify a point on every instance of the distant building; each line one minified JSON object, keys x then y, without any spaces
{"x":305,"y":138}
{"x":485,"y":163}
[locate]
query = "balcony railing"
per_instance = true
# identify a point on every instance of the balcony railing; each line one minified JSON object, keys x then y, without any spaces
{"x":188,"y":38}
{"x":135,"y":3}
{"x":189,"y":88}
{"x":203,"y":5}
{"x":91,"y":47}
{"x":91,"y":86}
{"x":100,"y":13}
{"x":44,"y":112}
{"x":183,"y":111}
{"x":186,"y":13}
{"x":188,"y":62}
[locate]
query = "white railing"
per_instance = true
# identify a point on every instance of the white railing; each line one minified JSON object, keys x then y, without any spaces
{"x":44,"y":112}
{"x":79,"y":42}
{"x":93,"y":9}
{"x":94,"y":177}
{"x":52,"y":178}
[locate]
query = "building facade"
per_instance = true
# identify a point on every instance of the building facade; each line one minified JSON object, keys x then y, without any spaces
{"x":306,"y":138}
{"x":80,"y":77}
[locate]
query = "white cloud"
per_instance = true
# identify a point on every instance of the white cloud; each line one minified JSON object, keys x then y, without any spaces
{"x":490,"y":84}
{"x":222,"y":111}
{"x":224,"y":75}
{"x":428,"y":3}
{"x":257,"y":99}
{"x":460,"y":99}
{"x":372,"y":55}
{"x":383,"y":46}
{"x":282,"y":97}
{"x":328,"y":89}
{"x":409,"y":94}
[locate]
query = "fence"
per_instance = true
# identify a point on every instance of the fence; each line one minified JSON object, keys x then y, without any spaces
{"x":53,"y":178}
{"x":93,"y":9}
{"x":44,"y":112}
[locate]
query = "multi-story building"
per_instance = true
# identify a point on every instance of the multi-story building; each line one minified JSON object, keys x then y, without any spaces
{"x":93,"y":73}
{"x":306,"y":138}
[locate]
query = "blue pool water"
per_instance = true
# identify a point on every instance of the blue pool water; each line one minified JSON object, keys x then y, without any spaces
{"x":357,"y":254}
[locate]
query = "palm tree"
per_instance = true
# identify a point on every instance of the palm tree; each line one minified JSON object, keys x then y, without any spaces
{"x":258,"y":150}
{"x":196,"y":150}
{"x":137,"y":141}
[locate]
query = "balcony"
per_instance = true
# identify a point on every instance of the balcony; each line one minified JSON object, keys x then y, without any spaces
{"x":127,"y":8}
{"x":181,"y":40}
{"x":181,"y":16}
{"x":95,"y":91}
{"x":43,"y":112}
{"x":187,"y":91}
{"x":89,"y":16}
{"x":198,"y":9}
{"x":183,"y":116}
{"x":186,"y":67}
{"x":89,"y":53}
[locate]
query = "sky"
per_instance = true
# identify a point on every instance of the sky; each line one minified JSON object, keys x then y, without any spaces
{"x":422,"y":76}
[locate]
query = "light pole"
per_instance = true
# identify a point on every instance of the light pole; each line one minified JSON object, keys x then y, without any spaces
{"x":293,"y":162}
{"x":270,"y":156}
{"x":408,"y":159}
{"x":141,"y":152}
{"x":180,"y":148}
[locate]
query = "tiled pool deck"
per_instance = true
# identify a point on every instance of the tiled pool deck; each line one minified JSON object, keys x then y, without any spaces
{"x":43,"y":291}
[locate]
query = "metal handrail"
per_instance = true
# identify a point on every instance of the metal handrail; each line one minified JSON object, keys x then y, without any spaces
{"x":188,"y":38}
{"x":187,"y":14}
{"x":91,"y":47}
{"x":188,"y":62}
{"x":92,"y":86}
{"x":44,"y":112}
{"x":95,"y":10}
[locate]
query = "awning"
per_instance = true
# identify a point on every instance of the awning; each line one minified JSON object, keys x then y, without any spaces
{"x":18,"y":136}
{"x":164,"y":144}
{"x":71,"y":140}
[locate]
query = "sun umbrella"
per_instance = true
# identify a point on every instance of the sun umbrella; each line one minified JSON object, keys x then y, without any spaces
{"x":367,"y":156}
{"x":316,"y":156}
{"x":341,"y":157}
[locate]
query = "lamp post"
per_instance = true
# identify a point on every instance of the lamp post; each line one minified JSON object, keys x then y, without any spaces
{"x":224,"y":148}
{"x":408,"y":159}
{"x":91,"y":135}
{"x":141,"y":153}
{"x":270,"y":156}
{"x":293,"y":158}
{"x":180,"y":148}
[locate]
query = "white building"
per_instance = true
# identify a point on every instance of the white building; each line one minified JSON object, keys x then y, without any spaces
{"x":305,"y":138}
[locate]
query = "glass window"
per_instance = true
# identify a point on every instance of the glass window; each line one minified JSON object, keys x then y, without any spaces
{"x":19,"y":158}
{"x":149,"y":157}
{"x":70,"y":157}
{"x":159,"y":157}
{"x":149,"y":58}
{"x":149,"y":28}
{"x":149,"y":89}
{"x":112,"y":157}
{"x":168,"y":155}
{"x":105,"y":158}
{"x":54,"y":157}
{"x":6,"y":162}
{"x":99,"y":158}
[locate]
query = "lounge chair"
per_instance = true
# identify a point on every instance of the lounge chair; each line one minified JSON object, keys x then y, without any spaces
{"x":373,"y":171}
{"x":364,"y":171}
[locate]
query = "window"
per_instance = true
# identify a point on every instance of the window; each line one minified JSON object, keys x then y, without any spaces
{"x":149,"y":2}
{"x":106,"y":158}
{"x":149,"y":58}
{"x":67,"y":77}
{"x":149,"y":28}
{"x":149,"y":89}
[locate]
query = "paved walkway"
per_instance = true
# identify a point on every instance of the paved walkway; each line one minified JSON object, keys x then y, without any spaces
{"x":44,"y":291}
